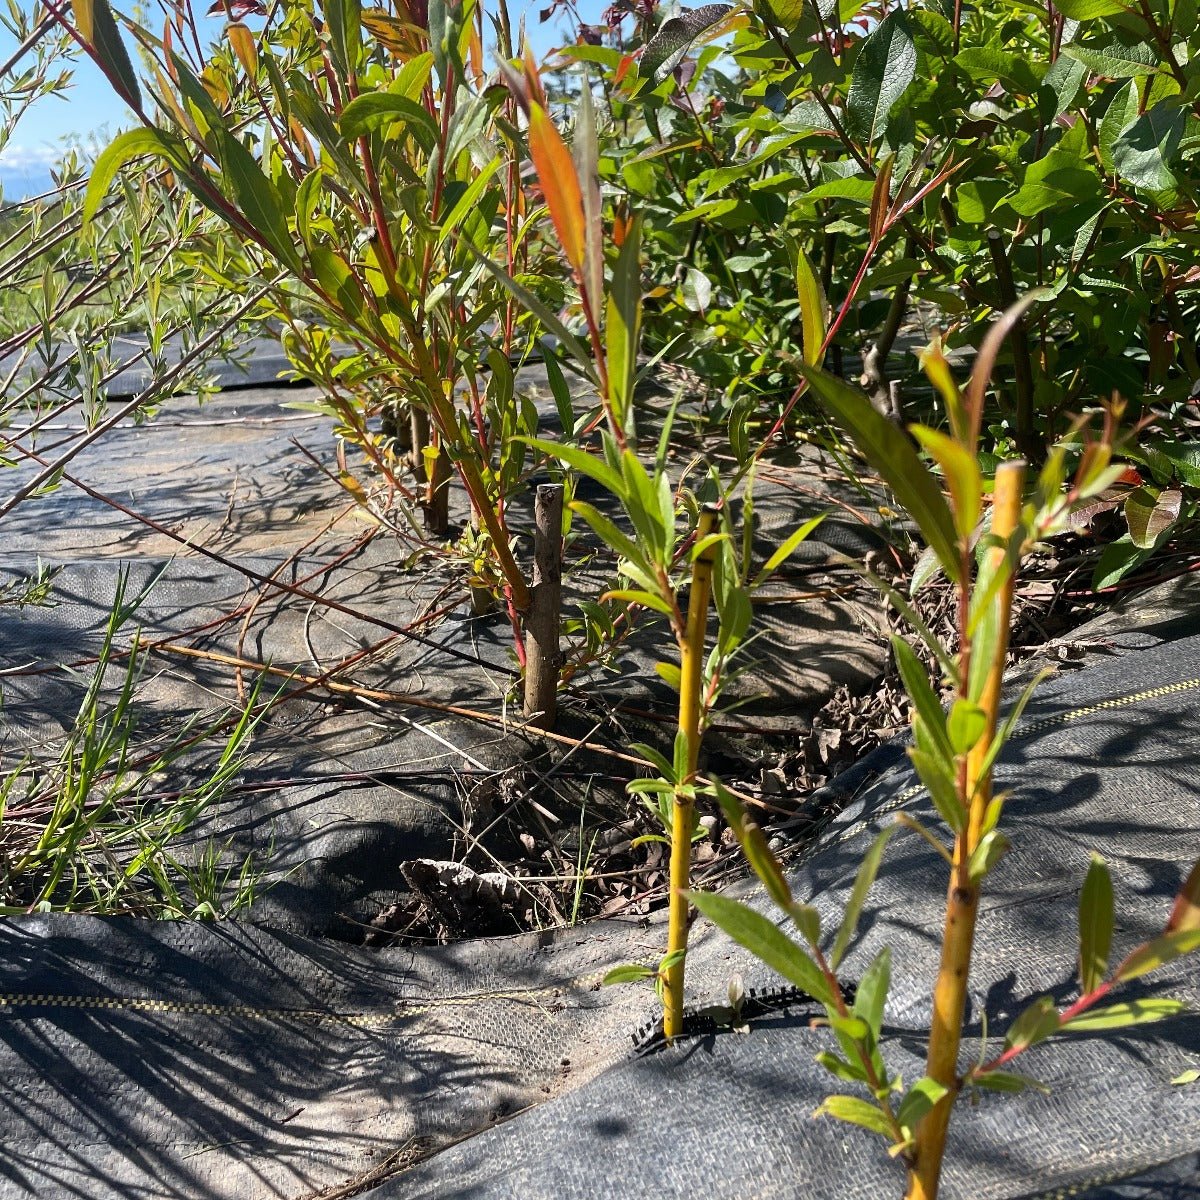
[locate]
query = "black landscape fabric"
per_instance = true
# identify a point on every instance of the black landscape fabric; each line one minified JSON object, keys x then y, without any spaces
{"x":157,"y":1059}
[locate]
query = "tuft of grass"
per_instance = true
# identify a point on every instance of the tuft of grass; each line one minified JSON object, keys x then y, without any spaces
{"x":93,"y":830}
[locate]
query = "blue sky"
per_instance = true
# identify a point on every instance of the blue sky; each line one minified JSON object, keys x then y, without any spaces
{"x":90,"y":111}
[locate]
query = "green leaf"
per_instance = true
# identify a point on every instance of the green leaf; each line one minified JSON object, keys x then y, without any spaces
{"x":961,"y":471}
{"x":1116,"y":61}
{"x":1192,"y":1075}
{"x":258,"y":199}
{"x":651,"y":755}
{"x":670,"y":674}
{"x":787,"y":549}
{"x":937,"y":776}
{"x":763,"y":939}
{"x":607,"y":531}
{"x":581,"y":461}
{"x":1034,"y":1025}
{"x":989,"y":65}
{"x":466,"y":204}
{"x":1149,"y":516}
{"x":1143,"y":153}
{"x":1116,"y":561}
{"x":965,"y":726}
{"x":344,"y":20}
{"x":1064,"y":80}
{"x":563,"y":403}
{"x":910,"y":615}
{"x":532,"y":304}
{"x":921,"y":693}
{"x":839,"y":1067}
{"x":867,"y":871}
{"x":1122,"y":111}
{"x":645,"y":599}
{"x":623,"y":323}
{"x":1087,"y":10}
{"x":375,"y":109}
{"x":136,"y":143}
{"x":630,"y":973}
{"x":918,"y":1100}
{"x":666,"y":49}
{"x":992,"y":847}
{"x":758,"y":852}
{"x":886,"y":65}
{"x":813,"y":307}
{"x":1007,"y":1081}
{"x":1095,"y":925}
{"x":895,"y":459}
{"x":1131,"y":1012}
{"x":807,"y":920}
{"x":872,"y":992}
{"x":856,"y":1112}
{"x":97,"y":26}
{"x":1158,"y":952}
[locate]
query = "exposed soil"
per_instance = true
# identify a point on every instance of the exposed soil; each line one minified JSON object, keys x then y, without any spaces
{"x":539,"y":868}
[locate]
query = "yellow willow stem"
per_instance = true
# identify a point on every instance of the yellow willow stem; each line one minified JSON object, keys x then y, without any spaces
{"x":691,"y":671}
{"x":962,"y":899}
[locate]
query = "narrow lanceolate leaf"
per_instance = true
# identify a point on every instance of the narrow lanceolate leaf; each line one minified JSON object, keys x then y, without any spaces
{"x":1095,"y":925}
{"x":96,"y":25}
{"x":1034,"y":1025}
{"x":587,"y":157}
{"x":259,"y":200}
{"x":764,"y":940}
{"x":788,"y":548}
{"x":1131,"y":1012}
{"x":919,"y":1099}
{"x":123,"y":149}
{"x":813,"y":308}
{"x":936,"y":366}
{"x":895,"y":459}
{"x":886,"y":65}
{"x":623,"y":322}
{"x":344,"y":21}
{"x":993,"y":846}
{"x":936,"y":775}
{"x":630,"y":973}
{"x":872,"y":992}
{"x":548,"y":318}
{"x":1007,"y":1081}
{"x":881,"y":199}
{"x":560,"y":185}
{"x":244,"y":47}
{"x":921,"y":693}
{"x":857,"y":1112}
{"x":858,"y":895}
{"x":581,"y":461}
{"x":754,"y":846}
{"x":960,"y":470}
{"x":1158,"y":952}
{"x":1185,"y":916}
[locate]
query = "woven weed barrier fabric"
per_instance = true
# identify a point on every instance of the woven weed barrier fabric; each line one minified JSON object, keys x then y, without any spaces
{"x":147,"y":1059}
{"x":1106,"y":761}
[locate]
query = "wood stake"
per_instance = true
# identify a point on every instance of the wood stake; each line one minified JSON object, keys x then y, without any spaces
{"x":542,"y":657}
